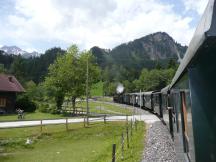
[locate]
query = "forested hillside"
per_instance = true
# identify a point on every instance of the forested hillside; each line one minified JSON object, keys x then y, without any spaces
{"x":145,"y":63}
{"x":33,"y":68}
{"x":124,"y":63}
{"x":143,"y":52}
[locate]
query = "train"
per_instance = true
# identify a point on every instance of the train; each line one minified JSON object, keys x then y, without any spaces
{"x":187,"y":106}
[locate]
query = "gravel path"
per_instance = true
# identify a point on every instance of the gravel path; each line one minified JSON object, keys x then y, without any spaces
{"x":159,"y":146}
{"x":10,"y":124}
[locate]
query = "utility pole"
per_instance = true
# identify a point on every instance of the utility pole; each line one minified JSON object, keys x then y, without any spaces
{"x":87,"y":78}
{"x":133,"y":106}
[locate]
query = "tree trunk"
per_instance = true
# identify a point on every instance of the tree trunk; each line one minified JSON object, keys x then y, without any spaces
{"x":73,"y":100}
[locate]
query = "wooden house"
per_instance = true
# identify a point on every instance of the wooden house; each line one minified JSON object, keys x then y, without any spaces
{"x":9,"y":88}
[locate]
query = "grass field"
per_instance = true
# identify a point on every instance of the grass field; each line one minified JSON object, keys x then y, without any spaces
{"x":79,"y":144}
{"x":105,"y":99}
{"x":106,"y":108}
{"x":31,"y":116}
{"x":95,"y":107}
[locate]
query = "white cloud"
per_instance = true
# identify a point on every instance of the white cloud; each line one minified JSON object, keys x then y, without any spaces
{"x":104,"y":23}
{"x":196,"y":5}
{"x":30,"y":50}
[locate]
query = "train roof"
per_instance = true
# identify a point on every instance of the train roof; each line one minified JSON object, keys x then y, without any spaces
{"x":165,"y":89}
{"x":206,"y":29}
{"x":138,"y":93}
{"x":148,"y":93}
{"x":157,"y":92}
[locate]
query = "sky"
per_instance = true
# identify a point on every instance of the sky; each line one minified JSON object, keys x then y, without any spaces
{"x":37,"y":25}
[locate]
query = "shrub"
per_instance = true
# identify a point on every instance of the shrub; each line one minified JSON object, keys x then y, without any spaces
{"x":25,"y":104}
{"x":44,"y":107}
{"x":53,"y":109}
{"x":48,"y":108}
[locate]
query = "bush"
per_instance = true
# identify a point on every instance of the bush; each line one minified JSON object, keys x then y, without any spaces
{"x":25,"y":104}
{"x":53,"y":109}
{"x":48,"y":108}
{"x":44,"y":107}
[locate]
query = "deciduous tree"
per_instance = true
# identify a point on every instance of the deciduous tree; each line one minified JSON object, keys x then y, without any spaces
{"x":68,"y":75}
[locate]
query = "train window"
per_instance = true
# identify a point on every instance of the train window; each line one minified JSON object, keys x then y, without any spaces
{"x":177,"y":110}
{"x":184,"y":122}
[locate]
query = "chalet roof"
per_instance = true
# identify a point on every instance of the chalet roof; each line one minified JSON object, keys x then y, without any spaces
{"x":8,"y":83}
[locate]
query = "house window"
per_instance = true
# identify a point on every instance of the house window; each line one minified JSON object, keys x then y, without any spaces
{"x":2,"y":102}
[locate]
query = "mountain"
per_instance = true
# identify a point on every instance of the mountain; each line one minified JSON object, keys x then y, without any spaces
{"x":142,"y":52}
{"x":14,"y":50}
{"x":31,"y":68}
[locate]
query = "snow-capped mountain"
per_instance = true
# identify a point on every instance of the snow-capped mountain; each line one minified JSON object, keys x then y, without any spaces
{"x":14,"y":50}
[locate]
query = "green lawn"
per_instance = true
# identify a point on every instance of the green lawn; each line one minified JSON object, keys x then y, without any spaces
{"x":31,"y":116}
{"x":95,"y":107}
{"x":106,"y":108}
{"x":105,"y":99}
{"x":79,"y":144}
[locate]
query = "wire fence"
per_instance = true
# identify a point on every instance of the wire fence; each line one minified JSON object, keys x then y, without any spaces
{"x":87,"y":120}
{"x":118,"y":151}
{"x":119,"y":148}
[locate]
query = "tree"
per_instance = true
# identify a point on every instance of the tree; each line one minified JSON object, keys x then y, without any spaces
{"x":154,"y":79}
{"x":18,"y":69}
{"x":158,"y":65}
{"x":2,"y":69}
{"x":35,"y":92}
{"x":172,"y":64}
{"x":111,"y":89}
{"x":24,"y":102}
{"x":68,"y":75}
{"x":39,"y":66}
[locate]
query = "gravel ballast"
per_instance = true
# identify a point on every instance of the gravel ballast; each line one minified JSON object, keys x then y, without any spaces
{"x":159,"y":146}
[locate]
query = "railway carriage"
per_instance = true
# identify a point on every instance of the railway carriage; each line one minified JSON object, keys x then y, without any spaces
{"x":157,"y":103}
{"x":140,"y":99}
{"x":192,"y":93}
{"x":187,"y":105}
{"x":134,"y":101}
{"x":126,"y":98}
{"x":148,"y":100}
{"x":165,"y":104}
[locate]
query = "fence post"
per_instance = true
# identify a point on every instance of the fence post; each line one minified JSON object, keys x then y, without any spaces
{"x":135,"y":124}
{"x":131,"y":127}
{"x":104,"y":119}
{"x":126,"y":119}
{"x":127,"y":137}
{"x":41,"y":125}
{"x":122,"y":146}
{"x":84,"y":121}
{"x":113,"y":152}
{"x":66,"y":124}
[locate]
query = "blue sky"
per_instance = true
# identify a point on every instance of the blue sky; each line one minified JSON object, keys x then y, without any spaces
{"x":42,"y":24}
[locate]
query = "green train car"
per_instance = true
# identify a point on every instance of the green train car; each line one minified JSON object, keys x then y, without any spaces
{"x":188,"y":105}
